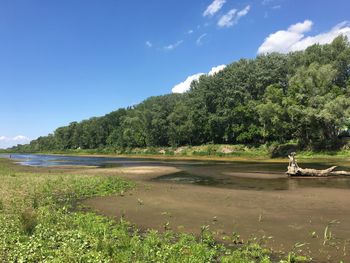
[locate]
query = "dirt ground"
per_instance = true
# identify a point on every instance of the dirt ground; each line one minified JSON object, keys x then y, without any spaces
{"x":281,"y":218}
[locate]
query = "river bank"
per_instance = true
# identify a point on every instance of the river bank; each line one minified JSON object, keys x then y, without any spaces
{"x":235,"y":201}
{"x":41,"y":220}
{"x":211,"y":152}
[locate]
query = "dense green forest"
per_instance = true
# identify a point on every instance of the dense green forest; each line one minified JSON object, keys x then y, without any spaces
{"x":301,"y":97}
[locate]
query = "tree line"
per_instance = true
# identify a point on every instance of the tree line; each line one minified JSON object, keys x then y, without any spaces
{"x":303,"y":97}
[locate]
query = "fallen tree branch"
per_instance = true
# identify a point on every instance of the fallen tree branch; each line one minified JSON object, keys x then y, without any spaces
{"x":340,"y":173}
{"x":295,"y":170}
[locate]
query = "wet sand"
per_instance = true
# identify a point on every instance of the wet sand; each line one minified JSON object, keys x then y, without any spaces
{"x":138,"y":173}
{"x":282,"y":217}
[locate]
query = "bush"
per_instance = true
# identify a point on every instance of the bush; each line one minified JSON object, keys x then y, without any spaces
{"x":282,"y":150}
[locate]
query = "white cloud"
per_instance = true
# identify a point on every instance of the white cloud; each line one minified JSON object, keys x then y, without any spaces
{"x":214,"y":7}
{"x":243,"y":12}
{"x":20,"y":138}
{"x":173,"y":46}
{"x":199,"y":40}
{"x":301,"y":27}
{"x":276,"y":7}
{"x":232,"y":17}
{"x":186,"y":84}
{"x":282,"y":40}
{"x":324,"y":38}
{"x":273,"y":4}
{"x":6,"y":142}
{"x":226,"y":20}
{"x":149,"y":44}
{"x":266,"y":2}
{"x":216,"y":69}
{"x":189,"y":32}
{"x":293,"y":38}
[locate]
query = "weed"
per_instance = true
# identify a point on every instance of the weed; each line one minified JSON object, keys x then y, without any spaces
{"x":327,"y":234}
{"x":294,"y":258}
{"x":28,"y":219}
{"x":236,"y":238}
{"x":314,"y":234}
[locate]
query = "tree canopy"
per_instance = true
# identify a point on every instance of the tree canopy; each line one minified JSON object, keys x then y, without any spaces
{"x":302,"y":96}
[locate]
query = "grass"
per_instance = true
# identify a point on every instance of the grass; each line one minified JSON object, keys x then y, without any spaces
{"x":324,"y":154}
{"x":41,"y":222}
{"x":327,"y":234}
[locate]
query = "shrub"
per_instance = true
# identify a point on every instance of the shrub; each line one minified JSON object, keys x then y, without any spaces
{"x":282,"y":150}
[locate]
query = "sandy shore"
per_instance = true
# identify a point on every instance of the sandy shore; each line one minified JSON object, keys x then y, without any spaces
{"x":138,"y":173}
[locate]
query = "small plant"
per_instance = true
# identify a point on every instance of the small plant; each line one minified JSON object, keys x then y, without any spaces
{"x":207,"y":237}
{"x":35,"y":201}
{"x":294,"y":258}
{"x":204,"y":229}
{"x":344,"y":248}
{"x":140,"y":201}
{"x":314,"y":234}
{"x":165,"y":213}
{"x":28,"y":219}
{"x":236,"y":238}
{"x":327,"y":235}
{"x":260,"y":217}
{"x":166,"y":226}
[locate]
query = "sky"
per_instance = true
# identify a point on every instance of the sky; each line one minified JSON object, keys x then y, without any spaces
{"x":64,"y":61}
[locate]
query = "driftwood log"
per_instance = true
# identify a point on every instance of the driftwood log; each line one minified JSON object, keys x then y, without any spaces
{"x":295,"y":170}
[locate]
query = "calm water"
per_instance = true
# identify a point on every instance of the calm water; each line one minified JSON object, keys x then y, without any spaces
{"x":235,"y":175}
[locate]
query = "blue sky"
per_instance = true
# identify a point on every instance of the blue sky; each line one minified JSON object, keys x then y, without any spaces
{"x":62,"y":61}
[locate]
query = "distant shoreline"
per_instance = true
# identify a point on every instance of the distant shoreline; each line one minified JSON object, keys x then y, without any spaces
{"x":235,"y":156}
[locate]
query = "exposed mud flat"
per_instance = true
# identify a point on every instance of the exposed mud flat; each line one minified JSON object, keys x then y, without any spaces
{"x":282,"y":218}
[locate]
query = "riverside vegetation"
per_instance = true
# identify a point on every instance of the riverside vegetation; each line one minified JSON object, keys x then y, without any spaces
{"x":41,"y":221}
{"x":301,"y":98}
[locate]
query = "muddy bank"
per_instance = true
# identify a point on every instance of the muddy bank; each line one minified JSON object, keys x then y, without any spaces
{"x":283,"y":218}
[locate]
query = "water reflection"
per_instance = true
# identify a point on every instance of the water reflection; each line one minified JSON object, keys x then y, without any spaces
{"x":246,"y":183}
